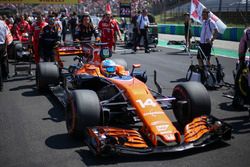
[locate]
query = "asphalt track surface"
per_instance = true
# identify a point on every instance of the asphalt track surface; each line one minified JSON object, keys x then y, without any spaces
{"x":33,"y":131}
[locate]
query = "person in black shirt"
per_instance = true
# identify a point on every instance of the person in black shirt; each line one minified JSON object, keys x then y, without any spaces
{"x":64,"y":21}
{"x":73,"y":23}
{"x":134,"y":23}
{"x":48,"y":40}
{"x":187,"y":28}
{"x":85,"y":30}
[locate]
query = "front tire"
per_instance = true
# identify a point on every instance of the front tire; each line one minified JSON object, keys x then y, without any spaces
{"x":197,"y":98}
{"x":83,"y":110}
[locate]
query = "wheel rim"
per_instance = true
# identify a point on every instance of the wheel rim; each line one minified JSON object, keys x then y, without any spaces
{"x":243,"y":85}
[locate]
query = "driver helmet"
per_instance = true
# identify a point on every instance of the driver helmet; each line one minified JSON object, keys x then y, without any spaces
{"x":108,"y":67}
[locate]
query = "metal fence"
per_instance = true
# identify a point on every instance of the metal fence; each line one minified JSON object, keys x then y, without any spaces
{"x":228,"y":16}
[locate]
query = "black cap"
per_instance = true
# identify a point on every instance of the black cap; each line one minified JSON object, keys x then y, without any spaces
{"x":205,"y":10}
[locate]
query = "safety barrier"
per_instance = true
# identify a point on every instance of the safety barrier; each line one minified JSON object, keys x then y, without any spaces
{"x":230,"y":34}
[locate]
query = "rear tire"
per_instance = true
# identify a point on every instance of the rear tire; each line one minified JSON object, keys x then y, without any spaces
{"x":83,"y":110}
{"x":47,"y":73}
{"x":198,"y":102}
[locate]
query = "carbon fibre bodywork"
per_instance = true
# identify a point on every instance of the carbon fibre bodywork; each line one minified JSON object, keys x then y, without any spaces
{"x":121,"y":114}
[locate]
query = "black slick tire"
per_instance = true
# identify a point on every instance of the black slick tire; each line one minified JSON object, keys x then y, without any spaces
{"x":47,"y":73}
{"x":197,"y":102}
{"x":83,"y":110}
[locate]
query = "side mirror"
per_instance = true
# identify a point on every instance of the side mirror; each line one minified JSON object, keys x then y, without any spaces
{"x":135,"y":66}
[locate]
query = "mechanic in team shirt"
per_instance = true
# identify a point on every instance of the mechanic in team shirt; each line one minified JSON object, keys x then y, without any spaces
{"x":108,"y":27}
{"x":36,"y":29}
{"x":22,"y":27}
{"x":49,"y":39}
{"x":85,"y":30}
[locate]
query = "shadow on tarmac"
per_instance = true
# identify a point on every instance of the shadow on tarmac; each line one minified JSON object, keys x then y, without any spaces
{"x":240,"y":124}
{"x":63,"y":141}
{"x":179,"y":80}
{"x":91,"y":160}
{"x":227,"y":106}
{"x":56,"y":113}
{"x":20,"y":78}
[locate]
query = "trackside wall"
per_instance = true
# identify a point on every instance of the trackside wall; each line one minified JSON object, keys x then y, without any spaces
{"x":230,"y":34}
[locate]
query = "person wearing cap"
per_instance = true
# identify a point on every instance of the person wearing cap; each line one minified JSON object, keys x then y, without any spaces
{"x":187,"y":30}
{"x":208,"y":34}
{"x":108,"y":27}
{"x":49,"y":38}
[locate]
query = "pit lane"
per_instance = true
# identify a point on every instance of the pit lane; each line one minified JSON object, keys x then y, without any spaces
{"x":33,"y":131}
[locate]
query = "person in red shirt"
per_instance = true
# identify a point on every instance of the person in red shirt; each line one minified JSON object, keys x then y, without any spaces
{"x":23,"y":27}
{"x":108,"y":27}
{"x":9,"y":24}
{"x":35,"y":32}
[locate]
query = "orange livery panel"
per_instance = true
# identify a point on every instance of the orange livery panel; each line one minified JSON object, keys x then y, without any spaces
{"x":156,"y":122}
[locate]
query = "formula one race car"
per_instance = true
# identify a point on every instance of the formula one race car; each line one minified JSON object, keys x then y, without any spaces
{"x":120,"y":114}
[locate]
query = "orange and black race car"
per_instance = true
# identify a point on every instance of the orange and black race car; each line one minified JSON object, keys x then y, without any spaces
{"x":120,"y":114}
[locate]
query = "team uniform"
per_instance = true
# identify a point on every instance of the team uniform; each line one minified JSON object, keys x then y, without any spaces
{"x":36,"y":29}
{"x":108,"y":29}
{"x":48,"y":40}
{"x":22,"y":27}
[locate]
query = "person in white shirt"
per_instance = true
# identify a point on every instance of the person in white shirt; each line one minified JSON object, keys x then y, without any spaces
{"x":142,"y":28}
{"x":5,"y":39}
{"x":209,"y":32}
